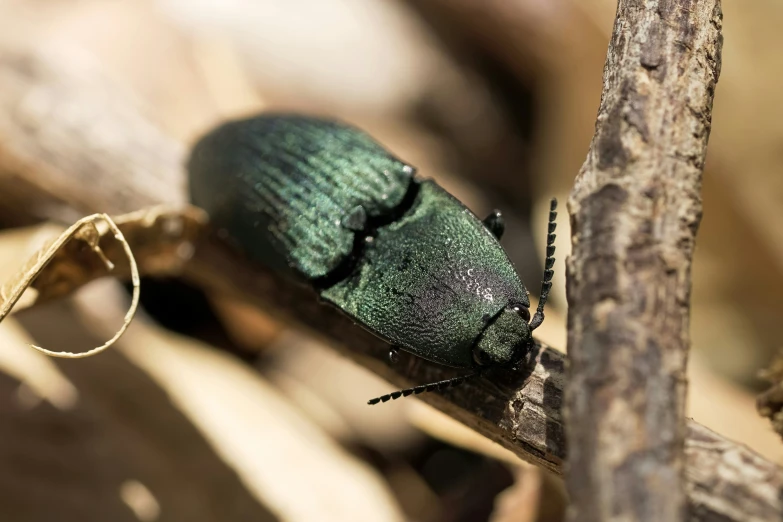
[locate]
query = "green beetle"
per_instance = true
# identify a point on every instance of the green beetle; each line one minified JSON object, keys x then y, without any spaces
{"x":323,"y":203}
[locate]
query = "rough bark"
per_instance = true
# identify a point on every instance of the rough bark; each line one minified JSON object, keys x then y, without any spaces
{"x":724,"y":480}
{"x":523,"y":413}
{"x":635,"y":209}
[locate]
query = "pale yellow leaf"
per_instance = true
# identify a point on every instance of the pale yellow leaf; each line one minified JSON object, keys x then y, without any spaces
{"x":85,"y":230}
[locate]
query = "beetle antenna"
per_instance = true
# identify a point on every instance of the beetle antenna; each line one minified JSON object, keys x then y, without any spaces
{"x":546,"y":283}
{"x":440,"y":385}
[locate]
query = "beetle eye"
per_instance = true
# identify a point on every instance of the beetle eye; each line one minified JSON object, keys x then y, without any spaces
{"x":523,"y":311}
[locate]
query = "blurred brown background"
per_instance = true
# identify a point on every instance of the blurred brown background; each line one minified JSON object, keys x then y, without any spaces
{"x":496,"y":100}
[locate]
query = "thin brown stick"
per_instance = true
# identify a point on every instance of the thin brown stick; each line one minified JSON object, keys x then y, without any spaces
{"x":521,"y":412}
{"x":724,"y":480}
{"x":635,"y":209}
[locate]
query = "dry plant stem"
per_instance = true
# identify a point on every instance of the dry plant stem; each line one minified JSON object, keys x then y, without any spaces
{"x":635,"y":209}
{"x":724,"y":481}
{"x":69,"y":129}
{"x":523,"y":413}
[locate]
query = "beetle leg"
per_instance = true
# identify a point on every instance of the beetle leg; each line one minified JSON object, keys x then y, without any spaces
{"x":394,"y":356}
{"x":546,"y":283}
{"x":495,"y":223}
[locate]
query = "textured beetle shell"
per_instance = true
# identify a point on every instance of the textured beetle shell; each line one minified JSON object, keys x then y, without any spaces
{"x":280,"y":186}
{"x":425,"y":275}
{"x":431,"y":280}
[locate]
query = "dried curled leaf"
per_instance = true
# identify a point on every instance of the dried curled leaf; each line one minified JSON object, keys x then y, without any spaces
{"x":162,"y":240}
{"x":84,"y":231}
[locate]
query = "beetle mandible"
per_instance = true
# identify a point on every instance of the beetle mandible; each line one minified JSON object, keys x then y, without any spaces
{"x":324,"y":203}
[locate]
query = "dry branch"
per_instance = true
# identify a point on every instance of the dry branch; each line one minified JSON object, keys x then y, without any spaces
{"x":65,"y":136}
{"x":725,"y":481}
{"x":635,"y":209}
{"x":523,"y":413}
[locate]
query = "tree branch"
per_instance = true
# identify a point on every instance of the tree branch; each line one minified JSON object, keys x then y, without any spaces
{"x":635,"y":209}
{"x":523,"y":413}
{"x":65,"y":135}
{"x":725,"y":481}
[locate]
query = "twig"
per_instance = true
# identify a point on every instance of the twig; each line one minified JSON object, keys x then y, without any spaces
{"x":68,"y":135}
{"x":725,"y":481}
{"x":523,"y":413}
{"x":635,"y":209}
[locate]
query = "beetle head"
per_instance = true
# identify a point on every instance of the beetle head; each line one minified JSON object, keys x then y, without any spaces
{"x":506,"y":339}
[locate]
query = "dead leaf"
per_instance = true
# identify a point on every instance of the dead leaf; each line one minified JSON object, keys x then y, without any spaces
{"x":162,"y":239}
{"x":85,"y":231}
